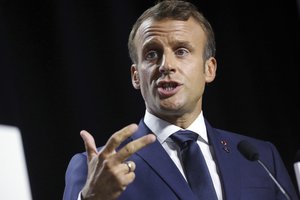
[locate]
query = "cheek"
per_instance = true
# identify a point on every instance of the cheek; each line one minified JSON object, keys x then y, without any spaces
{"x":148,"y":75}
{"x":145,"y":81}
{"x":148,"y":83}
{"x":194,"y":73}
{"x":195,"y":79}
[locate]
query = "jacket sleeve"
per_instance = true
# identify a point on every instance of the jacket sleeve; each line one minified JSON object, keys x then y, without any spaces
{"x":76,"y":175}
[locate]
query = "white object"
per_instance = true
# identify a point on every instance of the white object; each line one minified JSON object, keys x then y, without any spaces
{"x":297,"y":173}
{"x":14,"y":180}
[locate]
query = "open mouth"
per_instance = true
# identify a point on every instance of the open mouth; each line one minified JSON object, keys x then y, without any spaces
{"x":168,"y":88}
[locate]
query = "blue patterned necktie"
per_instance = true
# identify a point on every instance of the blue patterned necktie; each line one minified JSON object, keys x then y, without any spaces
{"x":194,"y":165}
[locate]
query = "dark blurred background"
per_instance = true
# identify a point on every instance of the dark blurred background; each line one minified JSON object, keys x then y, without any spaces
{"x":65,"y":67}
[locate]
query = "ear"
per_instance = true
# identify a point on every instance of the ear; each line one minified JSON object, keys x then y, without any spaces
{"x":135,"y":77}
{"x":210,"y":69}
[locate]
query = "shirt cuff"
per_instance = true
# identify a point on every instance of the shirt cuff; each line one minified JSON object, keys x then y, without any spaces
{"x":79,"y":196}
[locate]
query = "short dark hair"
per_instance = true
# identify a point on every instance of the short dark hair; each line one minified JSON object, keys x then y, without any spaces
{"x":176,"y":10}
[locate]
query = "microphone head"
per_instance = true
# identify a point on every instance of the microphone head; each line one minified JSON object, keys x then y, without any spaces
{"x":247,"y":150}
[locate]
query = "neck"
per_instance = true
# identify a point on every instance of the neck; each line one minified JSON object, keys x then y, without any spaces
{"x":183,"y":121}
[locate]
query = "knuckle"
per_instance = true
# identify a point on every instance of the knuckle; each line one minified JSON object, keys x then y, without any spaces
{"x":133,"y":176}
{"x":115,"y":139}
{"x":130,"y":149}
{"x":108,"y":167}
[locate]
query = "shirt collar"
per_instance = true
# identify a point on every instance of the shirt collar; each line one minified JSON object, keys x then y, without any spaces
{"x":163,"y":129}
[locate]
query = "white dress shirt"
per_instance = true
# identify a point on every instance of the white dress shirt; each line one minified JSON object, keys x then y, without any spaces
{"x":163,"y":130}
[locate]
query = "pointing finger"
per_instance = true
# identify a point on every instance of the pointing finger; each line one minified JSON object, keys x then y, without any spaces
{"x":134,"y":146}
{"x":117,"y":138}
{"x":89,"y":143}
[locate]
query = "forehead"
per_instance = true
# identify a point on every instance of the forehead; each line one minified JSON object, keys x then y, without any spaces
{"x":169,"y":29}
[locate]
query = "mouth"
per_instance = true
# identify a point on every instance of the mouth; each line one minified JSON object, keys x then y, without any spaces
{"x":168,"y":88}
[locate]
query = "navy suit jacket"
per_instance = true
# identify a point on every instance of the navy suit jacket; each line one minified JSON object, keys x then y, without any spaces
{"x":158,"y":178}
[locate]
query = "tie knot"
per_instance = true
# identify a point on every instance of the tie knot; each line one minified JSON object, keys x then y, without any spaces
{"x":183,"y":137}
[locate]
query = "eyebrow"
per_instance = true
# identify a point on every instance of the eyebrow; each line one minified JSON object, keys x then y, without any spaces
{"x":185,"y":44}
{"x":151,"y":44}
{"x":176,"y":44}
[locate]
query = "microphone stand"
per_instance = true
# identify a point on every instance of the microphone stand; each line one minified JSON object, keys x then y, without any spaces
{"x":275,"y":181}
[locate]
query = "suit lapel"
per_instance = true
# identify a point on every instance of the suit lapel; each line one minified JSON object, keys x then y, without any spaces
{"x":162,"y":164}
{"x":226,"y":160}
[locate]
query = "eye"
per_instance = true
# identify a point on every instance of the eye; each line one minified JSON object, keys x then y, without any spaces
{"x":181,"y":52}
{"x":151,"y":55}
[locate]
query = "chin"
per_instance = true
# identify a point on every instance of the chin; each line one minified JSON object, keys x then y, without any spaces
{"x":171,"y":108}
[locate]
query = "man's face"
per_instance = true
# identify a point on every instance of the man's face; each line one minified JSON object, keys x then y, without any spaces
{"x":171,"y":72}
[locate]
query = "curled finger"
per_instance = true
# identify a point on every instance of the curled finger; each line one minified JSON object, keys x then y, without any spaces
{"x":130,"y":166}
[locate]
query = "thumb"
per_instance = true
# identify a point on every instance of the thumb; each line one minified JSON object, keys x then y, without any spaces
{"x":89,"y":143}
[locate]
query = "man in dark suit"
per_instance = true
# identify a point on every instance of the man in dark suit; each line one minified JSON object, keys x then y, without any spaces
{"x":172,"y":48}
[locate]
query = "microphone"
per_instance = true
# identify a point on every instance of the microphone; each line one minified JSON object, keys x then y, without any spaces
{"x":297,"y":168}
{"x":250,"y":153}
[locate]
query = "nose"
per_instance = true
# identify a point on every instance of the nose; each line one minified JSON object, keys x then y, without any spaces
{"x":167,"y":64}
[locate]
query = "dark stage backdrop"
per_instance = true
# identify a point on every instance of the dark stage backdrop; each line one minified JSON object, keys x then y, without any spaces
{"x":65,"y":67}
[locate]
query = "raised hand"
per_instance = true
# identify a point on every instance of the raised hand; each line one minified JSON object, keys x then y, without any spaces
{"x":108,"y":171}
